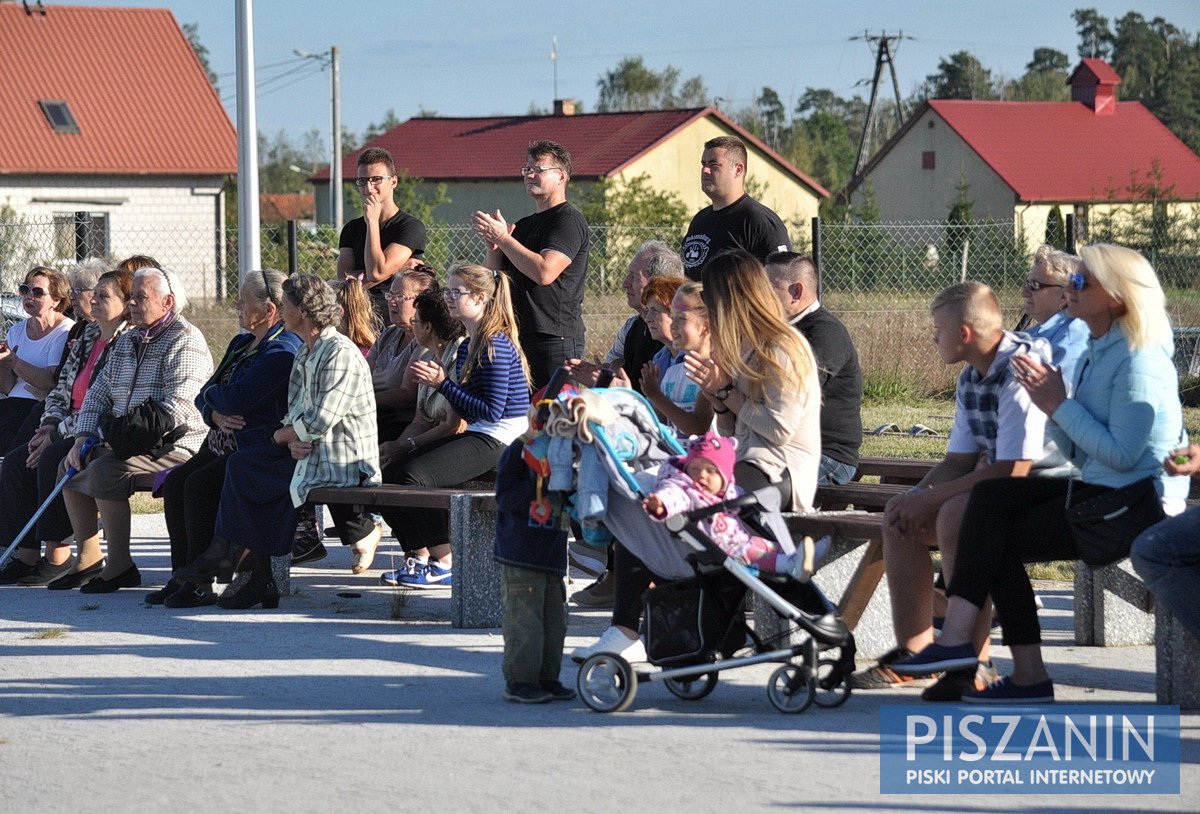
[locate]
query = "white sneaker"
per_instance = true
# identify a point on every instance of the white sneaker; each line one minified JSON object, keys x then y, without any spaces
{"x":615,"y":642}
{"x":801,"y":566}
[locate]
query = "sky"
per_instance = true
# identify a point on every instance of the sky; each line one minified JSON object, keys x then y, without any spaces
{"x":476,"y":58}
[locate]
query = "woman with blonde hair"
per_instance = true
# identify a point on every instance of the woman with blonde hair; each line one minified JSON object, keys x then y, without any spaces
{"x":1122,"y":419}
{"x":359,"y":321}
{"x":489,"y":390}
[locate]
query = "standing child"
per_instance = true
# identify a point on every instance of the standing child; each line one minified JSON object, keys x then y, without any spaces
{"x":533,"y":563}
{"x":705,"y":477}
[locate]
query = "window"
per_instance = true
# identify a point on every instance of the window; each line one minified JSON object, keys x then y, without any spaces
{"x":59,"y":115}
{"x":78,"y":235}
{"x":928,"y":160}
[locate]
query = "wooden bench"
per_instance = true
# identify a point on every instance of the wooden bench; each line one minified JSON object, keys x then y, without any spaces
{"x":872,"y":497}
{"x":894,"y":470}
{"x":475,"y":599}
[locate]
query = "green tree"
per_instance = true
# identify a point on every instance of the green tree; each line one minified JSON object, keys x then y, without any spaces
{"x":192,"y":32}
{"x":958,"y":220}
{"x":1056,"y":229}
{"x":635,"y":202}
{"x":772,"y":115}
{"x":632,"y":85}
{"x":375,"y":130}
{"x":1045,"y":78}
{"x":960,"y":76}
{"x":1095,"y":37}
{"x":416,"y":197}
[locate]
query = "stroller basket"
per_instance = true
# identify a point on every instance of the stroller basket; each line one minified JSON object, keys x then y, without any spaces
{"x":690,"y":620}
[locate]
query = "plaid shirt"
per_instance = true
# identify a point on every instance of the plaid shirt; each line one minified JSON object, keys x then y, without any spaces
{"x":993,"y":413}
{"x":331,"y":404}
{"x":58,"y":412}
{"x":171,"y":369}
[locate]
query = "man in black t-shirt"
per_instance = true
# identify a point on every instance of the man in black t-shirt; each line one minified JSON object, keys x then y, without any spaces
{"x":545,"y":256}
{"x":794,"y":278}
{"x":734,"y":220}
{"x":385,"y":238}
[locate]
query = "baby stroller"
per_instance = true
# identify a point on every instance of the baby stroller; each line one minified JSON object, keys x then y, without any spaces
{"x":694,"y":622}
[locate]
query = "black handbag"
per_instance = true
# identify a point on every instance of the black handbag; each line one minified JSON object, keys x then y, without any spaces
{"x":1105,"y":526}
{"x":147,"y":429}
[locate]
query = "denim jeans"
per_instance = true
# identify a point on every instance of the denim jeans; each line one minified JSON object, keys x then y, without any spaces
{"x":535,"y":624}
{"x":1167,"y":558}
{"x":834,"y":472}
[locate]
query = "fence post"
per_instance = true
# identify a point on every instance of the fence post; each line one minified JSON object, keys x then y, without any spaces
{"x":291,"y":243}
{"x":1070,"y":233}
{"x":816,"y":250}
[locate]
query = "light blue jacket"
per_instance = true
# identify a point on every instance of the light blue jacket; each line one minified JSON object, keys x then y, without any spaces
{"x":1124,"y":416}
{"x":1068,"y":338}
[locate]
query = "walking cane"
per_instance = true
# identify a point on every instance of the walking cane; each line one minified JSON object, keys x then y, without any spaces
{"x":71,"y":472}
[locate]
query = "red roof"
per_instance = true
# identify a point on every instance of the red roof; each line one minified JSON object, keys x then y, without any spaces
{"x":286,"y":206}
{"x":1063,"y":151}
{"x":135,"y":87}
{"x":1102,"y":72}
{"x":601,"y":144}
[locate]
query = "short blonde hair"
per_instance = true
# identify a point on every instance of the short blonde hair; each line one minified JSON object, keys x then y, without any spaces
{"x":971,"y":303}
{"x":1130,"y":279}
{"x":1056,"y":264}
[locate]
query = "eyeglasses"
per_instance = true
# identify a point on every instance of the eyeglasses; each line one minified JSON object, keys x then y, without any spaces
{"x":1038,"y":285}
{"x":36,"y":290}
{"x":452,"y":294}
{"x":1077,"y":281}
{"x":373,"y":180}
{"x":78,"y":291}
{"x":399,"y":297}
{"x":535,"y":169}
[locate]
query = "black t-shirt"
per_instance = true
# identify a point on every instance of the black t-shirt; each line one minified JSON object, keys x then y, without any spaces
{"x":841,"y":384}
{"x":639,"y":349}
{"x":744,"y":224}
{"x":555,"y":309}
{"x":402,"y":228}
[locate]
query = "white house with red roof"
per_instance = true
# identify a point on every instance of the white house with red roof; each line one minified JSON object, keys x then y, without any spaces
{"x":479,"y":159}
{"x":113,"y":143}
{"x":1090,"y":156}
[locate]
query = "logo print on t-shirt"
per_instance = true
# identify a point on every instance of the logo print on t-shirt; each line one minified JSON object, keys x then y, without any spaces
{"x":695,"y":250}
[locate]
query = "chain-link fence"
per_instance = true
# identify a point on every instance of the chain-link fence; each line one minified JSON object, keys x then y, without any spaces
{"x":878,"y":277}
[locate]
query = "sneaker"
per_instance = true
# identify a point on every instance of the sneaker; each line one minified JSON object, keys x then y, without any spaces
{"x":597,"y":595}
{"x":1005,"y":691}
{"x":591,"y":561}
{"x":526,"y":694}
{"x":44,"y":572}
{"x":951,"y":686}
{"x":558,"y":691}
{"x":411,"y":566}
{"x":432,"y":575}
{"x":937,"y":658}
{"x":882,"y":677}
{"x":14,"y":571}
{"x":615,"y":642}
{"x":801,"y":567}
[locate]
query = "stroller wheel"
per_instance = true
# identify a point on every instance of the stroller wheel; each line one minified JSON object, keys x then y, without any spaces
{"x":833,"y":684}
{"x":606,"y":683}
{"x":792,"y":688}
{"x":692,"y":689}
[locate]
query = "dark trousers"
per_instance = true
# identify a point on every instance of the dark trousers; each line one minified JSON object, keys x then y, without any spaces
{"x":751,"y":479}
{"x":191,"y":496}
{"x":24,"y":490}
{"x":1009,"y":522}
{"x":352,"y":525}
{"x":19,"y":420}
{"x":448,"y":462}
{"x":535,"y":624}
{"x":546,"y":353}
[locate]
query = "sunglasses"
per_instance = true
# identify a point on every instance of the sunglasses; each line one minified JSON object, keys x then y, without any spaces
{"x":1077,"y":281}
{"x":535,"y":169}
{"x":1038,"y":285}
{"x":36,"y":290}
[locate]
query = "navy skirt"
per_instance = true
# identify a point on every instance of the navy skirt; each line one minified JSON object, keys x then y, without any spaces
{"x":256,"y":509}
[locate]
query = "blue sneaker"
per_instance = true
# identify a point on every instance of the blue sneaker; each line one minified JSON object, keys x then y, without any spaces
{"x":1005,"y":691}
{"x":410,"y":567}
{"x":936,"y":659}
{"x":433,"y":575}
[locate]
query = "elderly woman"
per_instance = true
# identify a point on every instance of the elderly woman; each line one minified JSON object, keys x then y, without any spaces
{"x":1046,"y":301}
{"x":30,"y":472}
{"x":327,"y":439}
{"x":392,"y":355}
{"x":243,"y":404}
{"x":30,"y":357}
{"x":1117,"y":426}
{"x":142,"y":405}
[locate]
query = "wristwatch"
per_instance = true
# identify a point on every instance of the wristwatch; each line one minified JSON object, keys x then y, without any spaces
{"x":724,"y":392}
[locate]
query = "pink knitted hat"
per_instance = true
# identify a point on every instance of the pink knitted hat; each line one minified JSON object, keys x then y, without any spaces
{"x":722,"y":451}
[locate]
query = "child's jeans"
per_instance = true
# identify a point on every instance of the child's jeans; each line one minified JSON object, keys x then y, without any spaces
{"x":535,"y":624}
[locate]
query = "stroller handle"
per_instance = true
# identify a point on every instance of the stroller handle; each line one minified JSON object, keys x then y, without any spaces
{"x":750,"y":499}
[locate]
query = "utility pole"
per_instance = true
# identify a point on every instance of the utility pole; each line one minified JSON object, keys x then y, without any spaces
{"x":249,"y":246}
{"x":883,"y":54}
{"x":330,"y":61}
{"x":554,"y":60}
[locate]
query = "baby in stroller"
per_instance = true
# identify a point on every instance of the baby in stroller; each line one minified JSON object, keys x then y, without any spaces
{"x":704,"y":477}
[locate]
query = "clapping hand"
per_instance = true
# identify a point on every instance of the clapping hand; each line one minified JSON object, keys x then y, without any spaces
{"x":430,"y":373}
{"x":492,"y":228}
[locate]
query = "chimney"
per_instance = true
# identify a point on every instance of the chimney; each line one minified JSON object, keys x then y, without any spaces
{"x":565,"y":107}
{"x":1094,"y":83}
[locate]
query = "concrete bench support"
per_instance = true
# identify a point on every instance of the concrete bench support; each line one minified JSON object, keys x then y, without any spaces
{"x":1112,"y":607}
{"x":475,"y":600}
{"x":1177,"y":662}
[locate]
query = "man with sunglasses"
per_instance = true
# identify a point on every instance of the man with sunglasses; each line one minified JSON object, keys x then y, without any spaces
{"x":545,"y":256}
{"x":379,"y":244}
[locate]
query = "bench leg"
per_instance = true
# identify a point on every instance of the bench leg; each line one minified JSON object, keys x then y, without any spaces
{"x":1177,"y":662}
{"x":1111,"y":607}
{"x":475,"y":599}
